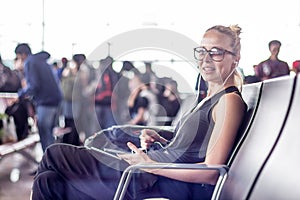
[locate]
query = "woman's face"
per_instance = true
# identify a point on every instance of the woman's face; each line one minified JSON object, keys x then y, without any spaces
{"x":213,"y":71}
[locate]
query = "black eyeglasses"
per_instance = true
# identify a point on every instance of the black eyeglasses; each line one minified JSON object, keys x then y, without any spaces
{"x":216,"y":54}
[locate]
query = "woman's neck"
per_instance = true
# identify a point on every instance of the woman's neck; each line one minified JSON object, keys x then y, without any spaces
{"x":215,"y":88}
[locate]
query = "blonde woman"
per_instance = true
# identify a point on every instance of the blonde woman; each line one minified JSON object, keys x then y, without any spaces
{"x":206,"y":135}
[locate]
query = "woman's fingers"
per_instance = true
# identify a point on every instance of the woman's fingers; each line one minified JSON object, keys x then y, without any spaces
{"x":133,"y":148}
{"x":138,"y":155}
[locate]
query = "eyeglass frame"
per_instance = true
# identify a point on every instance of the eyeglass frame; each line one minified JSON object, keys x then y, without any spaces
{"x":210,"y":52}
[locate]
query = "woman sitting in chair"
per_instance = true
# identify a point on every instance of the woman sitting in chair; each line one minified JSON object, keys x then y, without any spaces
{"x":206,"y":135}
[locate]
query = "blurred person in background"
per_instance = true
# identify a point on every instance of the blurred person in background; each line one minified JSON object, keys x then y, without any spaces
{"x":122,"y":92}
{"x":296,"y":66}
{"x":105,"y":102}
{"x":137,"y":103}
{"x":71,"y":104}
{"x":83,"y":96}
{"x":59,"y":69}
{"x":272,"y":67}
{"x":170,"y":101}
{"x":44,"y":89}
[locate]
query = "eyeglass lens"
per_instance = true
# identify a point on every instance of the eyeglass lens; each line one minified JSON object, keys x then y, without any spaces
{"x":215,"y":54}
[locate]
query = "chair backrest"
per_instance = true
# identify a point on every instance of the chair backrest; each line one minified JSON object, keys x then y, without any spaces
{"x":266,"y":126}
{"x":279,"y":179}
{"x":251,"y":95}
{"x":186,"y":105}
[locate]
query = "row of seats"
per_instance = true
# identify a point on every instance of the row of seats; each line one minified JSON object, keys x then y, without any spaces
{"x":265,"y":161}
{"x":261,"y":138}
{"x":21,"y":146}
{"x":278,"y":178}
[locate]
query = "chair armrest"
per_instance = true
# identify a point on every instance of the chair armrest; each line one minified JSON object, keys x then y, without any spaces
{"x":8,"y":95}
{"x":127,"y":174}
{"x":133,"y":130}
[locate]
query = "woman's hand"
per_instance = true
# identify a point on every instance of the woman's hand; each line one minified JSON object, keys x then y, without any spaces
{"x":138,"y":155}
{"x":148,"y":137}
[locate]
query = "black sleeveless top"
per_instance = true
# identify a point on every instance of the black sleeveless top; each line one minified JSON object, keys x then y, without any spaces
{"x":193,"y":133}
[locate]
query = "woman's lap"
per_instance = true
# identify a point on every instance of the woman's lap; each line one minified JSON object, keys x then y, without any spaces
{"x":77,"y":173}
{"x":78,"y":168}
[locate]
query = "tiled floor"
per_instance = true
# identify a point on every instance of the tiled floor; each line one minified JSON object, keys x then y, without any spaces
{"x":15,"y":175}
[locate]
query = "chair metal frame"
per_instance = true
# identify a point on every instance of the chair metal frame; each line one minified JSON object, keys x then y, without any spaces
{"x":128,"y":172}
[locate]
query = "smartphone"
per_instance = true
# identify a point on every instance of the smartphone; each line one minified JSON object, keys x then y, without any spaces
{"x":114,"y":155}
{"x":115,"y":151}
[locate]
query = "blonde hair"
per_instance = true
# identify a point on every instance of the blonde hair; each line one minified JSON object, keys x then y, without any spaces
{"x":233,"y":32}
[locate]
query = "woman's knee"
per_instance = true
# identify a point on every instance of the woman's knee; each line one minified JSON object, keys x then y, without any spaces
{"x":48,"y":185}
{"x":53,"y":156}
{"x":58,"y":149}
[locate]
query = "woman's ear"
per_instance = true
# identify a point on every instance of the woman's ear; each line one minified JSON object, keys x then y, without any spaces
{"x":236,"y":62}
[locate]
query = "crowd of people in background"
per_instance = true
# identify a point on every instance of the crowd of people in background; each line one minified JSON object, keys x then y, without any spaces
{"x":70,"y":93}
{"x":73,"y":99}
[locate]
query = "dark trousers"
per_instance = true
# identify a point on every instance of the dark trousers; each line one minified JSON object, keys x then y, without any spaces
{"x":70,"y":172}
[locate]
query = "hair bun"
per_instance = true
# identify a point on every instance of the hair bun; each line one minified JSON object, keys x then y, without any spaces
{"x":235,"y":28}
